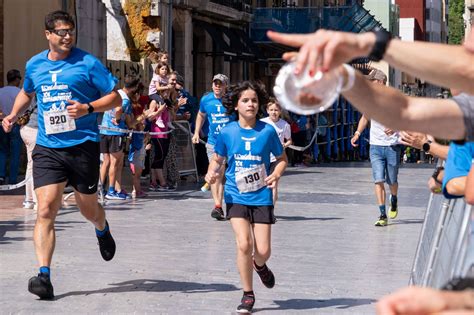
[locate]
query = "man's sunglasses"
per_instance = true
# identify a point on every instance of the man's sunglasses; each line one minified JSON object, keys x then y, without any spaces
{"x":64,"y":32}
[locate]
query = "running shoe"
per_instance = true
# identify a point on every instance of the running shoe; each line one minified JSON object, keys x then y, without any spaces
{"x":106,"y":245}
{"x":124,"y":194}
{"x":393,"y":212}
{"x":28,"y":204}
{"x":382,"y":221}
{"x":2,"y":180}
{"x":41,"y":286}
{"x":152,"y":187}
{"x":266,"y":275}
{"x":113,"y":195}
{"x":218,"y":214}
{"x":246,"y":304}
{"x":165,"y":188}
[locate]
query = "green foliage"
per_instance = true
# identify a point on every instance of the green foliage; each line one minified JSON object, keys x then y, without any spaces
{"x":455,"y":21}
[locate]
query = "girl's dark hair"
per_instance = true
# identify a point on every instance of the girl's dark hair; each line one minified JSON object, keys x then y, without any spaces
{"x":159,"y":65}
{"x":232,"y":97}
{"x":133,"y":84}
{"x":56,"y":16}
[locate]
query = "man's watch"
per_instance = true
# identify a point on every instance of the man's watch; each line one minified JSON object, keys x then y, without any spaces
{"x":90,"y":108}
{"x":382,"y":38}
{"x":427,"y":146}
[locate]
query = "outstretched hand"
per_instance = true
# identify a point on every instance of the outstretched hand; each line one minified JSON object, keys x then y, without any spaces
{"x":324,"y":50}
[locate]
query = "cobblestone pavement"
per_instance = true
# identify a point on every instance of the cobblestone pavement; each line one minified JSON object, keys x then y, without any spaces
{"x":172,"y":258}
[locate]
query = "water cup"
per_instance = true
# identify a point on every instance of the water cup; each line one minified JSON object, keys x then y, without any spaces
{"x":304,"y":94}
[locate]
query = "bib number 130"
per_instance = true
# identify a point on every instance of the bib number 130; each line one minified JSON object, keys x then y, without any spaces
{"x":251,"y":179}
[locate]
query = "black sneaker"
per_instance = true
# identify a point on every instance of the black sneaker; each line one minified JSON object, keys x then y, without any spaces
{"x":266,"y":275}
{"x":106,"y":245}
{"x":41,"y":286}
{"x":218,"y":214}
{"x":246,"y":304}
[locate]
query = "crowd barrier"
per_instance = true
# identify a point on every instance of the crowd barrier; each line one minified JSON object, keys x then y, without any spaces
{"x":445,"y":249}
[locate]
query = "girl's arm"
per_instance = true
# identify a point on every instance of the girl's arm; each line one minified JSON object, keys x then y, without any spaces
{"x":281,"y":163}
{"x":215,"y":168}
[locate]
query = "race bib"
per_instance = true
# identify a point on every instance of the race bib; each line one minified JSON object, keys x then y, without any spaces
{"x":58,"y":122}
{"x":251,"y":179}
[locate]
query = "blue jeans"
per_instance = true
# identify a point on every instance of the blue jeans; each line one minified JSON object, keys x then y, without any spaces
{"x":10,"y":143}
{"x":385,"y":161}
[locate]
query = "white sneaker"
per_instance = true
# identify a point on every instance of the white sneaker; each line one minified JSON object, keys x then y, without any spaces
{"x":28,"y":204}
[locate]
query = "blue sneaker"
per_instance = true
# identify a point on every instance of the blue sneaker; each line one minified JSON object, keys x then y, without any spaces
{"x":113,"y":195}
{"x":124,"y":195}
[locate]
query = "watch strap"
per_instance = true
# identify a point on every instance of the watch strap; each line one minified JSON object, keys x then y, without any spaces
{"x":382,"y":38}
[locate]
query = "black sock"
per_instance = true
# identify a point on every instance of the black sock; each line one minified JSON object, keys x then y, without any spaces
{"x":249,"y":293}
{"x":394,"y":200}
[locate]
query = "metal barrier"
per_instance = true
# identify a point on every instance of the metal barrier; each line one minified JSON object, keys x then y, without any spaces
{"x":446,"y":246}
{"x":185,"y":155}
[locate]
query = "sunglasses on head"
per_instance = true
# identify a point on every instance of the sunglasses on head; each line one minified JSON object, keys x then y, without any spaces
{"x":64,"y":32}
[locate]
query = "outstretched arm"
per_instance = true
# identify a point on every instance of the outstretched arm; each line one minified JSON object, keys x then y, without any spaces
{"x":441,"y":118}
{"x":325,"y":50}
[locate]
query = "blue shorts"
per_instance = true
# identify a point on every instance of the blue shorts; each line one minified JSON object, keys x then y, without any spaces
{"x":385,"y":162}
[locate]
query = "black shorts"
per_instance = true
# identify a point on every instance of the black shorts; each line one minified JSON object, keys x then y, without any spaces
{"x":111,"y":144}
{"x":255,"y":214}
{"x":79,"y":165}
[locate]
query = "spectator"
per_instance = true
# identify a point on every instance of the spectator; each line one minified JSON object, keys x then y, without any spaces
{"x":10,"y":143}
{"x":457,"y":168}
{"x":416,"y":301}
{"x":454,"y":68}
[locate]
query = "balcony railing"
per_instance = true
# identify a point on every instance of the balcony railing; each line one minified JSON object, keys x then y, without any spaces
{"x":306,"y":20}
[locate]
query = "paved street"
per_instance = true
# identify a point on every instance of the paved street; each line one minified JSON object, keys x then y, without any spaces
{"x":172,"y":258}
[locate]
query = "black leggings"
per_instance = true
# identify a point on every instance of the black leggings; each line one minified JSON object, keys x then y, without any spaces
{"x":160,"y":147}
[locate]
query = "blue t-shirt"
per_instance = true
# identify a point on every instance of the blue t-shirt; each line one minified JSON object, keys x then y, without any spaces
{"x":458,"y":163}
{"x":246,"y":149}
{"x":80,"y":77}
{"x":216,"y":115}
{"x":110,"y":114}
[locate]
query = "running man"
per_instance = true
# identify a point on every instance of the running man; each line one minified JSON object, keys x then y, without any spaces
{"x":212,"y":108}
{"x":385,"y":152}
{"x":68,"y":84}
{"x":247,"y":144}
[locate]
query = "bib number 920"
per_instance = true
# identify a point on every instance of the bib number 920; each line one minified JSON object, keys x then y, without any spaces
{"x":54,"y":120}
{"x":252,"y":178}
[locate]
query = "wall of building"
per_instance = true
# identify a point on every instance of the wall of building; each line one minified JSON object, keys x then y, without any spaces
{"x":469,"y":16}
{"x":414,"y":9}
{"x":434,"y":19}
{"x":23,"y":31}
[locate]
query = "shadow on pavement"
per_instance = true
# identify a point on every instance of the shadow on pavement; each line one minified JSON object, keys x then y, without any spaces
{"x":149,"y":285}
{"x":301,"y":218}
{"x":15,"y":226}
{"x":307,"y":304}
{"x":406,"y":221}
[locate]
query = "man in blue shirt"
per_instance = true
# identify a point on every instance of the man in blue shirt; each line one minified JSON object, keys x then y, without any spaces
{"x":112,"y":143}
{"x":70,"y":86}
{"x":211,"y":108}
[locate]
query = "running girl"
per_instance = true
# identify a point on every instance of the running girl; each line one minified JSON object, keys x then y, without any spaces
{"x":247,"y":145}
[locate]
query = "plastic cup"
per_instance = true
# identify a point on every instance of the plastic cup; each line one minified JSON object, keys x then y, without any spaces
{"x":304,"y":94}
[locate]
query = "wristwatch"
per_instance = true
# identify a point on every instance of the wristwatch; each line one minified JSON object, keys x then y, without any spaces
{"x":90,"y":108}
{"x":427,"y":146}
{"x":382,"y":38}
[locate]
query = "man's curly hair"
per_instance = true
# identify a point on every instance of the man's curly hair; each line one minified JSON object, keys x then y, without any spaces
{"x":232,"y":97}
